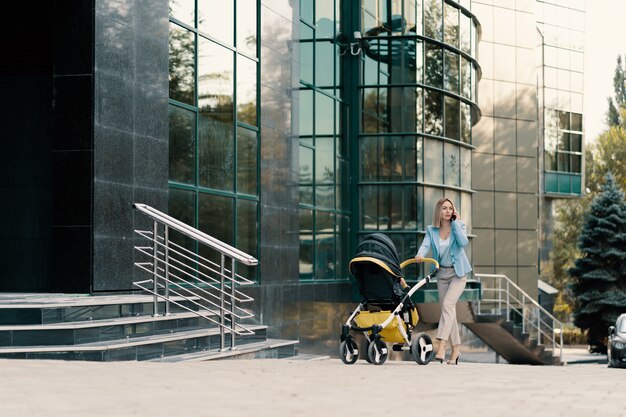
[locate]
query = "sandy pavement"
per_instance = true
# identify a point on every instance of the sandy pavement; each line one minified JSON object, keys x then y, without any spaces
{"x":286,"y":387}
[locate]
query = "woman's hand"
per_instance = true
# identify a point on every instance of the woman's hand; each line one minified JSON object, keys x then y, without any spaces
{"x":455,"y":215}
{"x":418,"y":259}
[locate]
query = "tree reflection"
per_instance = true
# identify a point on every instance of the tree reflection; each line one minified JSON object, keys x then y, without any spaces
{"x":181,"y":65}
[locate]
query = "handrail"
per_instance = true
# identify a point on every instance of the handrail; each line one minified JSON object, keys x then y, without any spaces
{"x":196,"y":234}
{"x":209,"y":287}
{"x":524,"y":293}
{"x":504,"y":295}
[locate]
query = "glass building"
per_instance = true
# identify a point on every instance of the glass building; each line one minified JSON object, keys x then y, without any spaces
{"x":289,"y":130}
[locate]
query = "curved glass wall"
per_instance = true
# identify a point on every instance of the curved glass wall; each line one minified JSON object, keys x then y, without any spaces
{"x":418,"y":104}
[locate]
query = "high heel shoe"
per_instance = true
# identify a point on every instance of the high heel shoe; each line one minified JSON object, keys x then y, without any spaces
{"x":441,"y":351}
{"x":454,"y":356}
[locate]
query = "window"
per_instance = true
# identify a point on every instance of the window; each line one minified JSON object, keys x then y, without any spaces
{"x":323,"y":152}
{"x":213,"y":121}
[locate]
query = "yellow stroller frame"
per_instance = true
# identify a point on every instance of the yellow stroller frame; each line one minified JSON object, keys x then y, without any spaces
{"x":393,"y":326}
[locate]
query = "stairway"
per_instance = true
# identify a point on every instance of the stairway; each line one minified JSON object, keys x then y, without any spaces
{"x":504,"y":337}
{"x":119,"y":327}
{"x":503,"y":316}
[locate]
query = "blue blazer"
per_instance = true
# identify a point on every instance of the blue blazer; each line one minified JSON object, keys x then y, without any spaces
{"x":459,"y":241}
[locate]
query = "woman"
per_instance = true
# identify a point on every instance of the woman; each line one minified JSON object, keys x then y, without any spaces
{"x":446,"y":238}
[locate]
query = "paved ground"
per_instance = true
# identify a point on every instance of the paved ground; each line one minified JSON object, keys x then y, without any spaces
{"x":268,"y":387}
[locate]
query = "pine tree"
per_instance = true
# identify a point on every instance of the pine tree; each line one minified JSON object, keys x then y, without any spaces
{"x":600,"y":271}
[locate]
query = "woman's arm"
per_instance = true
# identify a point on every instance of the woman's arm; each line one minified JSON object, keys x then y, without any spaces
{"x":423,"y":250}
{"x":458,"y":228}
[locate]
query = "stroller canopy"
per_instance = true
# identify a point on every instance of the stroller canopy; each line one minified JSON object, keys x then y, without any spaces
{"x":376,"y":269}
{"x":381,"y":248}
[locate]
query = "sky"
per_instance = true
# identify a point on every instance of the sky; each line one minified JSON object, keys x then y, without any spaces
{"x":604,"y":41}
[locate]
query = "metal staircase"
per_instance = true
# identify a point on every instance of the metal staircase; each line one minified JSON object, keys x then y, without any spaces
{"x":513,"y":324}
{"x":193,"y":311}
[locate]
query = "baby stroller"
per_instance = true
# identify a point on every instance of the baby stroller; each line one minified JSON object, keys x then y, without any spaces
{"x":386,"y":314}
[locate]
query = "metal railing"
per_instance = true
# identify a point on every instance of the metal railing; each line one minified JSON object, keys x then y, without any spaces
{"x":206,"y":285}
{"x":500,"y":295}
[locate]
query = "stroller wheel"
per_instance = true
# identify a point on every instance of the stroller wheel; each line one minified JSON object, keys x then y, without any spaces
{"x":422,"y":348}
{"x":377,"y":352}
{"x":348,"y":352}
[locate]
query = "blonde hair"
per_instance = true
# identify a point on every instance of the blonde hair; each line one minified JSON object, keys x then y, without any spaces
{"x":437,"y":213}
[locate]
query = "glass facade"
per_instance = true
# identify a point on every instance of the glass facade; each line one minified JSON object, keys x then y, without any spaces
{"x":323,"y":152}
{"x":562,"y":25}
{"x":418,"y":103}
{"x":395,"y":116}
{"x":214,"y":119}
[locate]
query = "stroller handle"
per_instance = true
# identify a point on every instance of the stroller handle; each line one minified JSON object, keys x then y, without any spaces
{"x":413,"y":261}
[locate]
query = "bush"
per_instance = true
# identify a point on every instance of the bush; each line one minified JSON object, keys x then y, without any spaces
{"x":574,"y":336}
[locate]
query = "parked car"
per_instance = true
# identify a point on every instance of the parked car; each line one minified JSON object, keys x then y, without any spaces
{"x":616,"y":346}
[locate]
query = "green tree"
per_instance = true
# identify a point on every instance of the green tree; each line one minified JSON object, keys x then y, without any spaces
{"x":614,"y":115}
{"x":599,"y":273}
{"x":607,"y":154}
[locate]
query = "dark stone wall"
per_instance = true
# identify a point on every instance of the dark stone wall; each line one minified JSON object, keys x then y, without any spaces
{"x":72,"y":146}
{"x":130,"y":130}
{"x":25,"y":182}
{"x":26,"y":155}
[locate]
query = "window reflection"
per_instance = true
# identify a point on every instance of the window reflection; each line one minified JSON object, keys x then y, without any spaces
{"x":181,"y":65}
{"x":183,"y":10}
{"x":433,"y":113}
{"x":466,"y":123}
{"x":307,"y":39}
{"x":452,"y":164}
{"x":452,"y":112}
{"x":325,"y":251}
{"x":215,"y":82}
{"x":374,"y":106}
{"x":390,"y":158}
{"x":246,"y":161}
{"x":182,"y":140}
{"x":324,"y":114}
{"x":306,"y":175}
{"x":202,"y":143}
{"x":433,"y":14}
{"x":434,"y":65}
{"x":324,"y":15}
{"x":306,"y":242}
{"x":433,"y":161}
{"x":388,"y":207}
{"x":452,"y":72}
{"x":246,"y":26}
{"x":216,"y":157}
{"x":324,"y":56}
{"x":246,"y":90}
{"x":215,"y":217}
{"x":217,"y":25}
{"x":451,"y":25}
{"x":247,"y":233}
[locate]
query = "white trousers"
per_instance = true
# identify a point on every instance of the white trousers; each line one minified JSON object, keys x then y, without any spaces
{"x":450,"y":287}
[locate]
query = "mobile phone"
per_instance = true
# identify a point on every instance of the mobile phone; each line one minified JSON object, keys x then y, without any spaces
{"x":453,"y":217}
